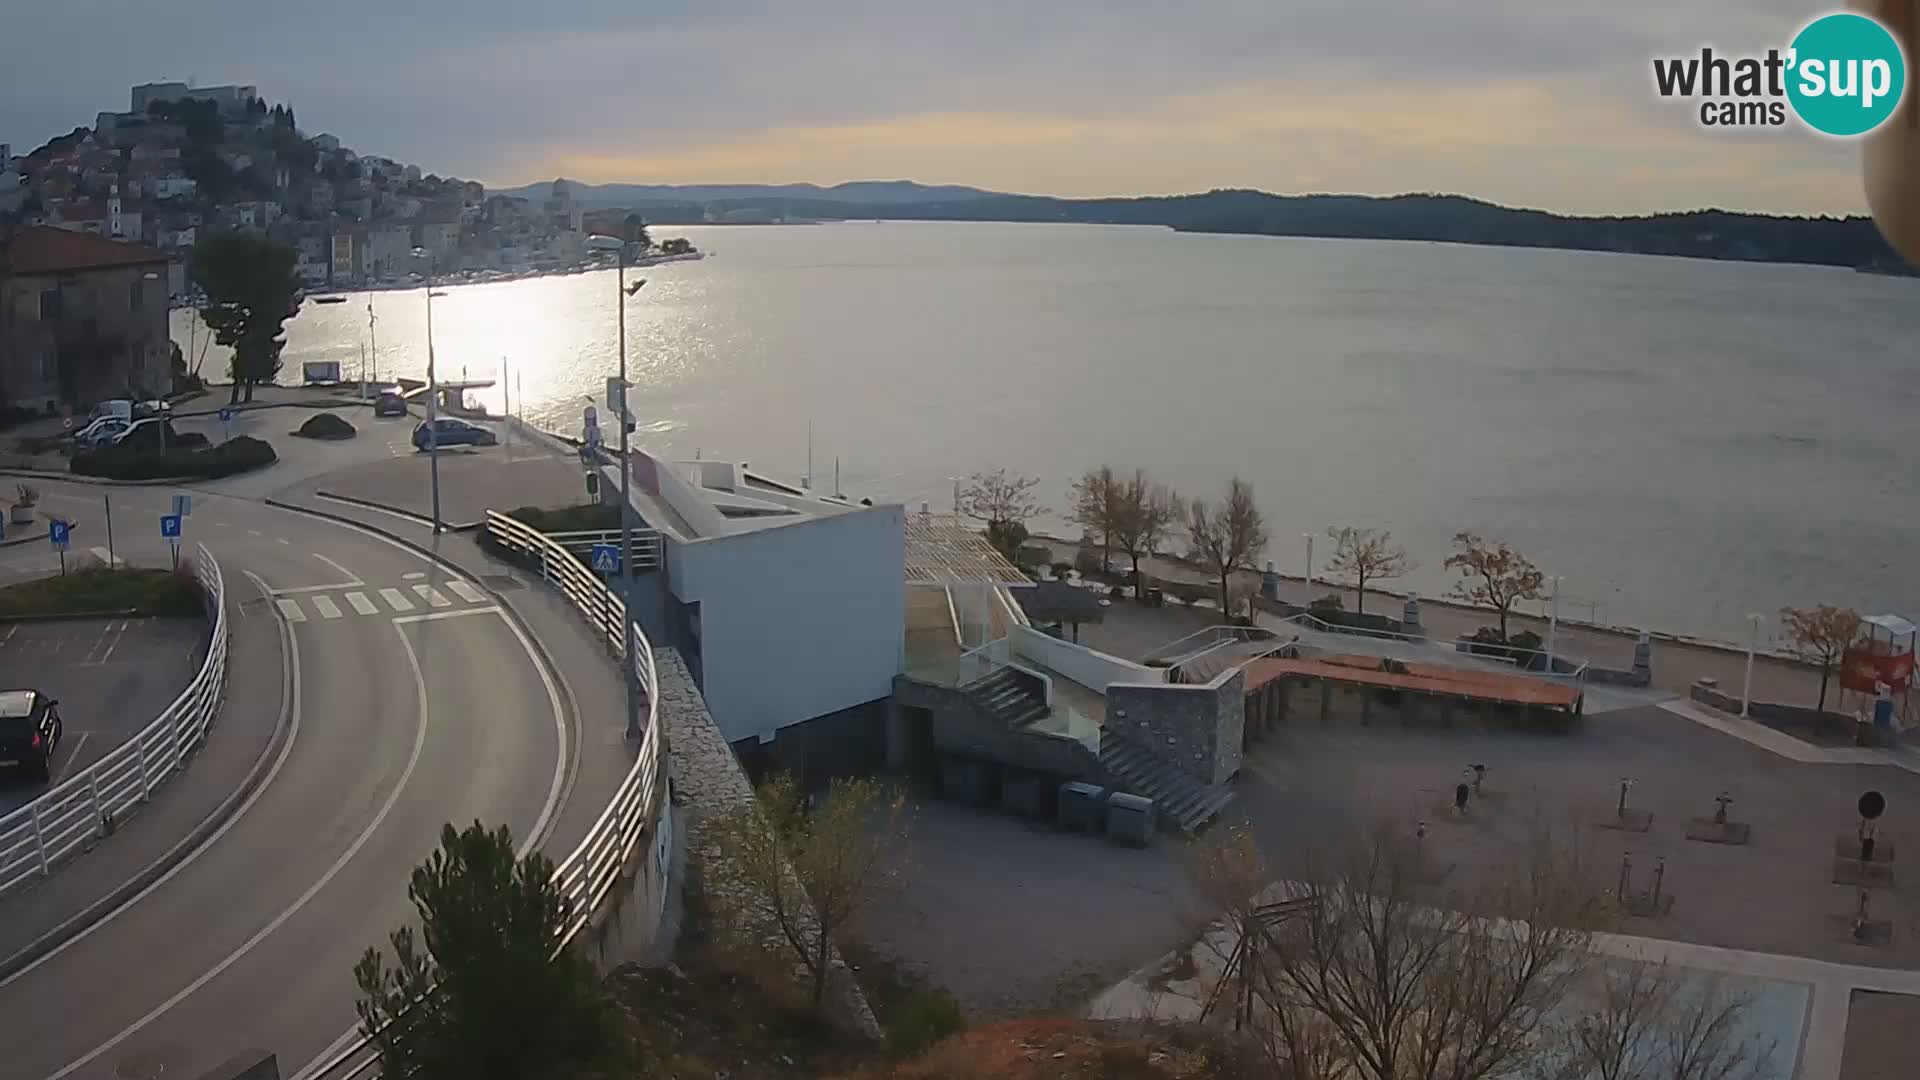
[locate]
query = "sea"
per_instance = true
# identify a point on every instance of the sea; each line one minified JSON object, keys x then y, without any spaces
{"x":1682,"y":442}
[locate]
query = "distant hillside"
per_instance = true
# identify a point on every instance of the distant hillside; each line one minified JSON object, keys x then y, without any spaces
{"x":875,"y":192}
{"x":1703,"y":234}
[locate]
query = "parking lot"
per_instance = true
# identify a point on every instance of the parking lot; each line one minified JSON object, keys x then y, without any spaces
{"x":111,"y":677}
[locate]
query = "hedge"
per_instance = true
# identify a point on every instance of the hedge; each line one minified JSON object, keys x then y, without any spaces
{"x":236,"y":455}
{"x":144,"y":592}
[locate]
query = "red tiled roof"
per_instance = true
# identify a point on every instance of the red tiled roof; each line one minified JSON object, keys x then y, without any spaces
{"x":43,"y":249}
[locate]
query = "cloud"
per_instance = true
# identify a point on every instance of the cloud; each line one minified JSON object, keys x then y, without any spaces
{"x":1542,"y":103}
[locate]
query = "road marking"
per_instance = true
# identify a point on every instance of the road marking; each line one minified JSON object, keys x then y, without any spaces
{"x":290,"y":714}
{"x":222,"y":525}
{"x":414,"y":576}
{"x":284,"y":540}
{"x":73,"y":755}
{"x":299,"y":589}
{"x":352,"y":578}
{"x":361,"y":604}
{"x":291,"y":609}
{"x":436,"y":616}
{"x":255,"y":532}
{"x":466,"y":592}
{"x":326,"y":607}
{"x":434,"y":597}
{"x":247,"y":946}
{"x":395,"y":600}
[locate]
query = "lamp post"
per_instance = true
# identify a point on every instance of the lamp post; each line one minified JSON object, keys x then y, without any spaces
{"x":1753,"y":641}
{"x":433,"y":395}
{"x":1553,"y":621}
{"x":619,"y":245}
{"x":1306,"y":583}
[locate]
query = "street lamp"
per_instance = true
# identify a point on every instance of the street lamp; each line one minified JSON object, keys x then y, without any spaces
{"x":1753,"y":641}
{"x":618,"y":245}
{"x":433,"y":394}
{"x":1306,"y":583}
{"x":1553,"y":622}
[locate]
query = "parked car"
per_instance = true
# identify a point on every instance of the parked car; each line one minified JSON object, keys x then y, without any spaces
{"x":30,"y":730}
{"x":390,"y":403}
{"x":151,"y":432}
{"x":451,"y":432}
{"x":119,"y":407}
{"x":101,"y":431}
{"x":153,"y":407}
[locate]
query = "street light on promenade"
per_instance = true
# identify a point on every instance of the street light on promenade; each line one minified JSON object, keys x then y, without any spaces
{"x":1753,"y":642}
{"x":618,"y":244}
{"x":433,"y":394}
{"x":1306,"y":583}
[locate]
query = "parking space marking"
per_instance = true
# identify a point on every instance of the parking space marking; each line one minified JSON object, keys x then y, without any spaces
{"x":326,"y":607}
{"x":291,"y":609}
{"x":361,"y":604}
{"x":395,"y":600}
{"x":434,"y":597}
{"x":466,"y":592}
{"x":73,"y":755}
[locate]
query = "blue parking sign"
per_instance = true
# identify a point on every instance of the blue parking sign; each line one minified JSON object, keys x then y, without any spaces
{"x":57,"y":532}
{"x":226,"y":414}
{"x":170,"y":526}
{"x":606,"y":559}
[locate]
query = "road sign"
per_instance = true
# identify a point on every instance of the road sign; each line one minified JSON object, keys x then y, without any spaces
{"x":183,"y":506}
{"x":170,"y":526}
{"x":616,"y":396}
{"x":606,"y":559}
{"x":227,"y":414}
{"x":57,"y":532}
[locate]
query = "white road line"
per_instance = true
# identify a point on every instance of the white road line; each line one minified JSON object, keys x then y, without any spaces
{"x":414,"y":576}
{"x":326,"y":607}
{"x":73,"y":755}
{"x":396,"y":600}
{"x":296,"y":590}
{"x":434,"y":597}
{"x":247,"y":946}
{"x":466,"y":592}
{"x":284,"y":540}
{"x":352,"y":578}
{"x":436,"y":616}
{"x":255,"y":532}
{"x":361,"y":604}
{"x":290,"y":715}
{"x":291,"y":609}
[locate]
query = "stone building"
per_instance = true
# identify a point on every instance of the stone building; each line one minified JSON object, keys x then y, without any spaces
{"x":82,"y":318}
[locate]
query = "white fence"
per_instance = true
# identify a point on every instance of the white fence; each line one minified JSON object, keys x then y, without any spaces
{"x":36,"y":837}
{"x":590,"y":873}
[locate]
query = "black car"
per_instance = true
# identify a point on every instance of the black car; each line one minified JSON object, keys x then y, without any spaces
{"x":30,"y":730}
{"x":390,"y":403}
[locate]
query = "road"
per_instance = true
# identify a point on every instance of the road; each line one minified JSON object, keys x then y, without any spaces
{"x":413,"y":702}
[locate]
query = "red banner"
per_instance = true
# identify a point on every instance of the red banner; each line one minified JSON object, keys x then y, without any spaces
{"x":1865,"y":671}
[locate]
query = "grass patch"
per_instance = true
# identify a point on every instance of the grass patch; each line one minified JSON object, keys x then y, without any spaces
{"x":914,"y":1014}
{"x":144,"y":592}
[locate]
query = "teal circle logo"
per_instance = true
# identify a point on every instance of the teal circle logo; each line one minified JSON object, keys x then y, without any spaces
{"x":1847,"y":74}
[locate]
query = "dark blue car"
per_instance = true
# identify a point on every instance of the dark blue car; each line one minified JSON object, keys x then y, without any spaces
{"x":448,"y":432}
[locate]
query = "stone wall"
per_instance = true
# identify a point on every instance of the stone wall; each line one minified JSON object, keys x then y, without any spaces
{"x":1196,"y":728}
{"x":1836,"y":725}
{"x":709,"y":782}
{"x":848,"y":742}
{"x":960,"y":728}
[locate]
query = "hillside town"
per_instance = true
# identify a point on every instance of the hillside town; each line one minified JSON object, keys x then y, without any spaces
{"x":183,"y":160}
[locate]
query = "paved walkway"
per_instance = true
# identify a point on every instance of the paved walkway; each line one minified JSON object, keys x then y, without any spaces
{"x":1786,"y":746}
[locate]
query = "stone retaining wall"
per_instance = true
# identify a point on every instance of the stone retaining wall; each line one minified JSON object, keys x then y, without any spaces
{"x":708,"y":782}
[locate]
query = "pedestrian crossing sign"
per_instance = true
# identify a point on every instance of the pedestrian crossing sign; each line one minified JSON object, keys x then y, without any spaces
{"x":606,"y":559}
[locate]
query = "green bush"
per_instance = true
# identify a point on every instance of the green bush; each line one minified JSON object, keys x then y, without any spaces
{"x":580,"y":517}
{"x":925,"y":1017}
{"x":145,"y":592}
{"x":325,"y":425}
{"x":133,"y":463}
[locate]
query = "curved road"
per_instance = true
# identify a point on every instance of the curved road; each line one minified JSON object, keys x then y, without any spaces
{"x":413,"y":702}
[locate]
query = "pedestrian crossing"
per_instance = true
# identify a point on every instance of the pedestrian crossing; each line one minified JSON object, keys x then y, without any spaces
{"x":326,"y":606}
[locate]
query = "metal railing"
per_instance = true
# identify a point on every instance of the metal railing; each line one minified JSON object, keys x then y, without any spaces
{"x":38,"y":836}
{"x":590,"y":873}
{"x":646,"y":544}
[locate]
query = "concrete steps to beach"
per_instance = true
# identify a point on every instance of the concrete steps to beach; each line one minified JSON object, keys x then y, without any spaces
{"x":1179,"y":798}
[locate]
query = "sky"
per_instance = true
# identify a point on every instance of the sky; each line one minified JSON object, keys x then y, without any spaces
{"x":1547,"y":103}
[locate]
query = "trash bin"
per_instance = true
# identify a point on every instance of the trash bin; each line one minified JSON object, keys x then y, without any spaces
{"x":1082,"y":806}
{"x":1129,"y":819}
{"x":1153,"y":596}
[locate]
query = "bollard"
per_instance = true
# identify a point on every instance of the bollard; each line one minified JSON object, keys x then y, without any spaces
{"x":1720,"y":815}
{"x":1625,"y":784}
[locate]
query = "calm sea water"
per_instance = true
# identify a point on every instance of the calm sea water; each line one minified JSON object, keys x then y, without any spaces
{"x":1683,"y":441}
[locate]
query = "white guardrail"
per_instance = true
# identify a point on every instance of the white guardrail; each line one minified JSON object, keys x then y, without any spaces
{"x":37,"y":837}
{"x":589,"y":874}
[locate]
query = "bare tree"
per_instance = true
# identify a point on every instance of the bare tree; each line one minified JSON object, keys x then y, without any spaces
{"x":1647,"y":1021}
{"x":1224,"y":538}
{"x":1093,"y":503}
{"x":1003,"y":500}
{"x":1364,"y":555}
{"x":1383,"y":975}
{"x":1821,"y":635}
{"x":1146,"y":511}
{"x":805,"y":873}
{"x":1493,"y":575}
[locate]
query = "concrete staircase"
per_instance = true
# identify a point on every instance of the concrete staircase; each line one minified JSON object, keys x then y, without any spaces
{"x":1012,"y":697}
{"x":1179,"y":798}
